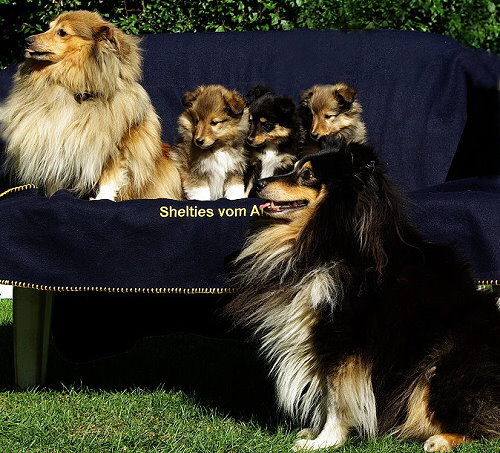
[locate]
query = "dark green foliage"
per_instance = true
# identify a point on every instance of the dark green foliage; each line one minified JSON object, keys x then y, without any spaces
{"x":473,"y":22}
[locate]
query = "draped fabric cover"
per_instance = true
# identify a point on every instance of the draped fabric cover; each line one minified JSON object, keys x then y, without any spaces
{"x":431,"y":109}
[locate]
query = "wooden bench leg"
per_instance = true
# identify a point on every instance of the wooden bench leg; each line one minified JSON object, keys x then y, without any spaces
{"x":32,"y":311}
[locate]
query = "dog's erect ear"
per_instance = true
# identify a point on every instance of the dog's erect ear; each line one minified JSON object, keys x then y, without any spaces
{"x":258,"y":91}
{"x":345,"y":95}
{"x":190,"y":96}
{"x":286,"y":106}
{"x":103,"y":32}
{"x":114,"y":36}
{"x":305,"y":97}
{"x":235,"y":103}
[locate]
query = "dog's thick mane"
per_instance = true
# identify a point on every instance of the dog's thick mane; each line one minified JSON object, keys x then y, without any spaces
{"x":354,"y":225}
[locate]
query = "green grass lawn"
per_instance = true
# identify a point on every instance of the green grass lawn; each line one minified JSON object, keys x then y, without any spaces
{"x":211,"y":415}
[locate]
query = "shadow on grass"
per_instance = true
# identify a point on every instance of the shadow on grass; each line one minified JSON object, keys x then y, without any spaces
{"x":175,"y":342}
{"x":6,"y":357}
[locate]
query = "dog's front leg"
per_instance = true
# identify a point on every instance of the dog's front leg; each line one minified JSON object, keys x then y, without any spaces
{"x":234,"y":187}
{"x":334,"y":431}
{"x":200,"y":193}
{"x":112,"y":180}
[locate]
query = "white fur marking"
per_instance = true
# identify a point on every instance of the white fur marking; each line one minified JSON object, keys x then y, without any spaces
{"x":198,"y":193}
{"x":235,"y":192}
{"x":216,"y":166}
{"x":271,"y":160}
{"x":110,"y":190}
{"x":333,"y":434}
{"x":286,"y":343}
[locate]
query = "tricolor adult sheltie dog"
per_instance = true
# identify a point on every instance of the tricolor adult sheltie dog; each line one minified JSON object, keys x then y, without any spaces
{"x":366,"y":325}
{"x":78,"y":119}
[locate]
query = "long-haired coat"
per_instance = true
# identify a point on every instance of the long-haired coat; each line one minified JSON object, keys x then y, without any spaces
{"x":331,"y":110}
{"x":275,"y":136}
{"x":210,"y":152}
{"x":366,"y":325}
{"x":78,"y":119}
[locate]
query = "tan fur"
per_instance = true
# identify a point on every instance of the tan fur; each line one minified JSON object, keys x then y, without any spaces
{"x":268,"y":249}
{"x":420,"y":422}
{"x":352,"y":384}
{"x":275,"y":137}
{"x":214,"y":167}
{"x":445,"y":442}
{"x":339,"y":102}
{"x":281,"y":191}
{"x":58,"y":139}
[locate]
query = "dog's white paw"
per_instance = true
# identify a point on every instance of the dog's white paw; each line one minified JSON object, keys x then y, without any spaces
{"x":437,"y":443}
{"x":313,"y":444}
{"x":235,"y":192}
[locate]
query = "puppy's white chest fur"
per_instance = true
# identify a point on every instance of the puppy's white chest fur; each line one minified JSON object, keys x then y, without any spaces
{"x":271,"y":160}
{"x":216,"y":166}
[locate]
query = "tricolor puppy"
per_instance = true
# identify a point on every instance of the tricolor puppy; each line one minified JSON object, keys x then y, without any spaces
{"x":275,"y":136}
{"x":78,"y":119}
{"x":210,"y":153}
{"x":331,"y":110}
{"x":366,"y":325}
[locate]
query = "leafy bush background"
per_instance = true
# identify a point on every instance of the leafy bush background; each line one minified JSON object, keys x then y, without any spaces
{"x":473,"y":22}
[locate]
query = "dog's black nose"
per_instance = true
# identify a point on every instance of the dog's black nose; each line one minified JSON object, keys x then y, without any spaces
{"x":30,"y":40}
{"x":314,"y":135}
{"x":199,"y":141}
{"x":249,"y":140}
{"x":260,"y":184}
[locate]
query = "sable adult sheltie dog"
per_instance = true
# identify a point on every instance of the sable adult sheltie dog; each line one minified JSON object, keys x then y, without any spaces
{"x":78,"y":119}
{"x":210,"y":152}
{"x":366,"y":324}
{"x":331,"y":110}
{"x":275,"y":136}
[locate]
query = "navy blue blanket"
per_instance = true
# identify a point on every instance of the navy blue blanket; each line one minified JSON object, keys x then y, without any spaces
{"x":431,"y":108}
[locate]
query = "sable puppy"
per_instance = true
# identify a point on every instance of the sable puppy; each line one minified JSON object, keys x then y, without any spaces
{"x":78,"y":119}
{"x":210,"y":152}
{"x":275,"y":136}
{"x":366,"y":325}
{"x":331,"y":110}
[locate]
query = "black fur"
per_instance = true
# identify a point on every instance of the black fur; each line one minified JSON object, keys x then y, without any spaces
{"x":279,"y":111}
{"x":409,"y":306}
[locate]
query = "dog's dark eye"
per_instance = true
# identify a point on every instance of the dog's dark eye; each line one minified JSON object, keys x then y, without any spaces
{"x":306,"y":175}
{"x":327,"y":117}
{"x":214,"y":122}
{"x":268,"y":126}
{"x":61,"y":32}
